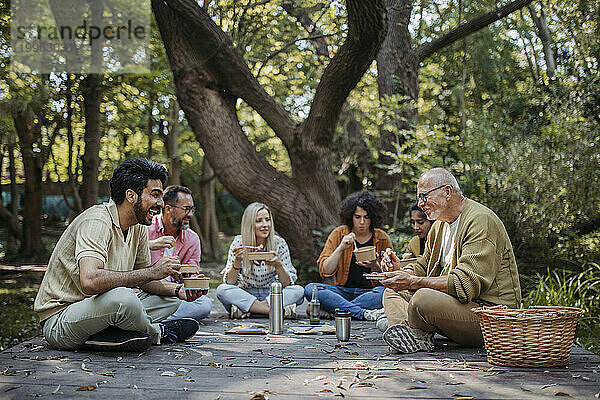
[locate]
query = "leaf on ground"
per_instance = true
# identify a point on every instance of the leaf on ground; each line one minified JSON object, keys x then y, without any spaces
{"x":189,"y":379}
{"x":8,"y":389}
{"x":548,"y":385}
{"x":168,"y":373}
{"x":563,"y":394}
{"x":365,"y":384}
{"x":83,"y":368}
{"x":352,"y":353}
{"x":325,"y":391}
{"x":56,"y":390}
{"x":86,"y":388}
{"x":216,"y":365}
{"x":183,"y":369}
{"x":455,"y":383}
{"x":416,"y":387}
{"x":462,"y":396}
{"x":258,"y":396}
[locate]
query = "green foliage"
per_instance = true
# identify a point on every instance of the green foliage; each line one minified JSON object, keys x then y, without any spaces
{"x":572,"y":289}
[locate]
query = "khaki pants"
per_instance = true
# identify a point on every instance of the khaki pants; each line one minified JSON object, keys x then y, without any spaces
{"x":434,"y":311}
{"x":120,"y":307}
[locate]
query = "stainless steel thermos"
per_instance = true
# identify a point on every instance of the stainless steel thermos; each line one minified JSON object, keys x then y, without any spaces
{"x":276,"y":309}
{"x":342,"y":325}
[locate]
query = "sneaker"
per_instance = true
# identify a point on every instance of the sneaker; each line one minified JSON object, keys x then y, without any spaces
{"x":289,"y":311}
{"x":117,"y":339}
{"x":382,"y":324}
{"x":178,"y":330}
{"x":405,"y":339}
{"x":236,"y":313}
{"x":373,"y":315}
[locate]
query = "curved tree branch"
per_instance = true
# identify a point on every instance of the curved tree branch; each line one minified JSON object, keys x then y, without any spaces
{"x":214,"y":50}
{"x":367,"y":28}
{"x":464,"y":30}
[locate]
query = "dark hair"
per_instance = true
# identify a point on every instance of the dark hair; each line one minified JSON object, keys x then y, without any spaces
{"x":375,"y":209}
{"x":134,"y":174}
{"x":171,"y":193}
{"x":415,"y":207}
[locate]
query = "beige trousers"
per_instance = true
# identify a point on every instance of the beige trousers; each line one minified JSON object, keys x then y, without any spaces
{"x":121,"y":307}
{"x":434,"y":311}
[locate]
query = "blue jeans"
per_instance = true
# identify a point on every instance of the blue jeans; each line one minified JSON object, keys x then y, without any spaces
{"x":197,"y":309}
{"x":244,"y":298}
{"x":353,"y":299}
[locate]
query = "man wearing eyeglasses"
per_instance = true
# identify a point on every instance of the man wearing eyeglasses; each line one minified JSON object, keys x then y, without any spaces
{"x":468,"y":262}
{"x":169,"y":235}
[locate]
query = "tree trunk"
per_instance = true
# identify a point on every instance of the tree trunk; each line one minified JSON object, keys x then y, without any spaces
{"x":171,"y":140}
{"x":92,"y":97}
{"x":32,"y":249}
{"x":208,"y":84}
{"x":76,"y":207}
{"x":544,"y":35}
{"x":150,"y":124}
{"x":208,"y":214}
{"x":397,"y":74}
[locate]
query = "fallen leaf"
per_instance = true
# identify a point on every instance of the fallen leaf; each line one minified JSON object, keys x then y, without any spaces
{"x":455,"y":383}
{"x":562,"y":394}
{"x":182,"y":369}
{"x":325,"y":391}
{"x":258,"y":396}
{"x":416,"y":387}
{"x":460,"y":396}
{"x":168,"y":373}
{"x":549,"y":385}
{"x":56,"y":390}
{"x":86,"y":388}
{"x":12,"y":388}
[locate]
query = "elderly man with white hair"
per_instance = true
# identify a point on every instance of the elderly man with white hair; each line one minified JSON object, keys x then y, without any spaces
{"x":468,"y":262}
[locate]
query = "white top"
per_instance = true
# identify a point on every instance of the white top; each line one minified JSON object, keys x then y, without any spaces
{"x":448,"y":244}
{"x":262,"y":274}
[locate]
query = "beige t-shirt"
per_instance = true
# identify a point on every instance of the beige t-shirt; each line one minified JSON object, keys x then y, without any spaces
{"x":94,"y":233}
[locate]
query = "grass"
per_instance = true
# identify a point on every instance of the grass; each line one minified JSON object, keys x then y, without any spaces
{"x":573,"y":289}
{"x":17,"y":292}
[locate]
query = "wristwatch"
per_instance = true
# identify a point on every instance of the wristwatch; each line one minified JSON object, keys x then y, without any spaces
{"x":177,"y":289}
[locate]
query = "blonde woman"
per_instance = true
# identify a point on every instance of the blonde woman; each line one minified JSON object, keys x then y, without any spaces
{"x":246,"y":284}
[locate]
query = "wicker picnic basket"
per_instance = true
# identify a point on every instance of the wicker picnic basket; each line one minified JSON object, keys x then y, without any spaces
{"x":533,"y":337}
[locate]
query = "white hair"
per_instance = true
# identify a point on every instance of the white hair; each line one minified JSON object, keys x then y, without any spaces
{"x":441,"y":176}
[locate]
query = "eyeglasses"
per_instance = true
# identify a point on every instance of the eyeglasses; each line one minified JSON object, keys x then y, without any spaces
{"x":188,"y":210}
{"x":423,"y":197}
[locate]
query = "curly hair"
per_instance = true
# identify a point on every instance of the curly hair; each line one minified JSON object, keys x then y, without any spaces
{"x":367,"y":201}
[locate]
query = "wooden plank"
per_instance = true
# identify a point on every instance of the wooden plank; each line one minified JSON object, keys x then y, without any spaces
{"x":214,"y":365}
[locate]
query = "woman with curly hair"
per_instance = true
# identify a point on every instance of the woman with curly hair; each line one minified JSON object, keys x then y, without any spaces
{"x":361,"y":214}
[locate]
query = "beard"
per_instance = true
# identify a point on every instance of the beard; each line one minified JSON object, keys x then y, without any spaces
{"x":141,"y":215}
{"x":180,"y":224}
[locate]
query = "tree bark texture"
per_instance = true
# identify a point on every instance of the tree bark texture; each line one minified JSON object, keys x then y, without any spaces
{"x":208,"y":213}
{"x":92,"y":94}
{"x":210,"y":75}
{"x":544,"y":35}
{"x":171,"y":140}
{"x":30,"y":143}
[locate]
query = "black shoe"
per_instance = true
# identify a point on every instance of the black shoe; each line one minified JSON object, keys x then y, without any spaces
{"x":117,"y":339}
{"x":178,"y":330}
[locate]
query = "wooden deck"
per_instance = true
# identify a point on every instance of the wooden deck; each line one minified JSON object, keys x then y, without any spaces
{"x":214,"y":365}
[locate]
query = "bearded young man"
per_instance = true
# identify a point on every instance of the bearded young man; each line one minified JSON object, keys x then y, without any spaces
{"x":170,"y":235}
{"x":86,"y":298}
{"x":468,"y":262}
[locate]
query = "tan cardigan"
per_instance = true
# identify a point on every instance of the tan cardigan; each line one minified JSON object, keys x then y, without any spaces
{"x":483,"y":264}
{"x":381,"y":240}
{"x":413,"y":248}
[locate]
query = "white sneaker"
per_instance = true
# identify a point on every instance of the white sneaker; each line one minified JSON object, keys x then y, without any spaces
{"x":382,"y":324}
{"x":236,"y":313}
{"x":289,"y":311}
{"x":405,"y":339}
{"x":373,"y":315}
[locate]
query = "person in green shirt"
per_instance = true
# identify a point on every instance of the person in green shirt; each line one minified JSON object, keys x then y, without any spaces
{"x":468,"y":262}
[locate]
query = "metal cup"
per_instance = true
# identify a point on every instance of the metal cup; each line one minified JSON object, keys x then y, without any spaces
{"x":342,"y":325}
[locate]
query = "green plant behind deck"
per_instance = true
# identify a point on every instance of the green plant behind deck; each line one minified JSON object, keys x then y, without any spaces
{"x":573,"y":289}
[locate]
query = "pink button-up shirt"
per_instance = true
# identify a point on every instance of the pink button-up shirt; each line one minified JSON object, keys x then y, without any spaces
{"x":187,"y":244}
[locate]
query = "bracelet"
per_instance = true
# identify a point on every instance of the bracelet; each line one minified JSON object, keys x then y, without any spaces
{"x":177,"y":289}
